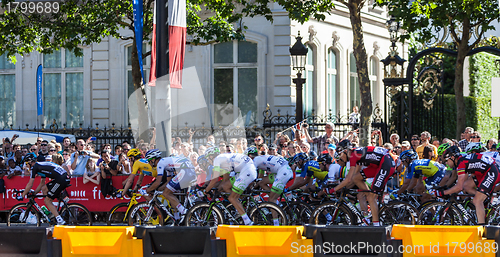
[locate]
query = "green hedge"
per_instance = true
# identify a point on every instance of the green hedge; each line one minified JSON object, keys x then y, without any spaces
{"x":482,"y":69}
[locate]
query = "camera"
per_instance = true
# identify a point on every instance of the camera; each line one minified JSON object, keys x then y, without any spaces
{"x":104,"y":164}
{"x":81,"y":152}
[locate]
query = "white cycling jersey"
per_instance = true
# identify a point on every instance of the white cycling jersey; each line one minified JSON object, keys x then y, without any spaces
{"x":168,"y":165}
{"x":231,"y":162}
{"x":269,"y":163}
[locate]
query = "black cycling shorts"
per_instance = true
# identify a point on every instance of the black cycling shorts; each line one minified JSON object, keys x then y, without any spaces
{"x":56,"y":186}
{"x":487,"y":183}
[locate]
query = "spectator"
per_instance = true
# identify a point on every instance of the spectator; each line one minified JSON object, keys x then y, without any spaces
{"x":447,"y":140}
{"x":58,"y":148}
{"x":72,"y":148}
{"x":273,"y":149}
{"x":415,"y":142}
{"x":377,"y":136}
{"x":321,"y":140}
{"x":281,"y":140}
{"x":14,"y":170}
{"x":39,"y":142}
{"x":108,"y":168}
{"x":424,"y":138}
{"x":331,"y":150}
{"x":210,"y":140}
{"x":194,"y":158}
{"x":16,"y":147}
{"x":66,"y":142}
{"x":91,"y":174}
{"x":33,"y":149}
{"x":18,"y":158}
{"x":125,"y":163}
{"x":44,"y":151}
{"x":264,"y":150}
{"x":126,"y":147}
{"x":435,"y":142}
{"x":454,"y":142}
{"x":24,"y":151}
{"x":239,"y":146}
{"x":394,"y":139}
{"x":467,"y":136}
{"x":80,"y":158}
{"x":354,"y":116}
{"x":405,"y":145}
{"x":290,"y":150}
{"x":143,"y":147}
{"x":184,"y":150}
{"x":52,"y":149}
{"x":201,"y":150}
{"x":118,"y":151}
{"x":258,"y":140}
{"x":398,"y":149}
{"x":244,"y":144}
{"x":57,"y":159}
{"x":229,"y":148}
{"x":490,"y":143}
{"x":7,"y":148}
{"x":476,"y":137}
{"x":429,"y":153}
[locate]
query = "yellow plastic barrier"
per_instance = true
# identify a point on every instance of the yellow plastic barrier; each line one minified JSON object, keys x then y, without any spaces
{"x":443,"y":241}
{"x":98,"y":241}
{"x":265,"y":240}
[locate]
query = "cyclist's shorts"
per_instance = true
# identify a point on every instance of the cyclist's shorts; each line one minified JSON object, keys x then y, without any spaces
{"x":246,"y":176}
{"x":56,"y":186}
{"x":487,"y":182}
{"x":385,"y":170}
{"x":183,"y":179}
{"x":434,"y":180}
{"x":280,"y":179}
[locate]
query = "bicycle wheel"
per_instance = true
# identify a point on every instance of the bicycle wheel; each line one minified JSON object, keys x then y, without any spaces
{"x":332,"y":213}
{"x":233,"y":217}
{"x":298,"y":213}
{"x":435,"y":214}
{"x":397,"y":212}
{"x":76,"y":214}
{"x":17,"y":216}
{"x":203,"y":215}
{"x":263,"y":214}
{"x":493,"y":215}
{"x":145,"y":214}
{"x":118,"y":215}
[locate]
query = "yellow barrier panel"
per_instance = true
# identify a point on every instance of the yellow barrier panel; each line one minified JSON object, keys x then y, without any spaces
{"x":443,"y":241}
{"x":265,"y":240}
{"x":98,"y":241}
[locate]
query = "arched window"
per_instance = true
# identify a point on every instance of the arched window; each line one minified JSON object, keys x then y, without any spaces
{"x":331,"y":84}
{"x":308,"y":90}
{"x":235,"y":82}
{"x":354,"y":92}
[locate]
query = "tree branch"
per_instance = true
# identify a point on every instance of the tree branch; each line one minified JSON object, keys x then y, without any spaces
{"x":126,"y":38}
{"x":146,"y":54}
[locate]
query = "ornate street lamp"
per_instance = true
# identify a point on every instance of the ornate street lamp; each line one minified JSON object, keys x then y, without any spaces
{"x":393,"y":64}
{"x":298,"y":52}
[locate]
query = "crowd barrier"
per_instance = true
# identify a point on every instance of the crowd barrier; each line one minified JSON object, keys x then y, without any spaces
{"x":89,"y":194}
{"x":250,"y":241}
{"x":444,"y":240}
{"x":264,"y":240}
{"x":26,"y":242}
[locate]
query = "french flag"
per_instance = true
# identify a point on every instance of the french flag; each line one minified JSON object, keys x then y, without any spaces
{"x":177,"y":40}
{"x":176,"y":43}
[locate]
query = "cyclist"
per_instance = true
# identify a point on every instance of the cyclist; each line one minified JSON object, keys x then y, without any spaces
{"x":213,"y":176}
{"x":433,"y":171}
{"x":484,"y":173}
{"x":367,"y":162}
{"x":176,"y":172}
{"x":143,"y":167}
{"x":306,"y":168}
{"x":60,"y":181}
{"x":406,"y":158}
{"x":238,"y":171}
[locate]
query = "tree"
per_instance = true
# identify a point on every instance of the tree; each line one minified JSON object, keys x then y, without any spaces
{"x":78,"y":22}
{"x":466,"y":21}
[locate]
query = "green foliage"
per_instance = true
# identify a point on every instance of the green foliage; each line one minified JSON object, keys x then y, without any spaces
{"x":481,"y":69}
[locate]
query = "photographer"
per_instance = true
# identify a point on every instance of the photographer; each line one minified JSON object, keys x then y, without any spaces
{"x":377,"y":133}
{"x":80,"y":158}
{"x":108,"y":168}
{"x":7,"y":146}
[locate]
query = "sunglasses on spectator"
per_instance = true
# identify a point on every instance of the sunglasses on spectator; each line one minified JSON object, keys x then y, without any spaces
{"x":126,"y":149}
{"x":397,"y":147}
{"x":44,"y":144}
{"x":52,"y":150}
{"x":414,"y":139}
{"x":475,"y":137}
{"x":65,"y":154}
{"x":258,"y":139}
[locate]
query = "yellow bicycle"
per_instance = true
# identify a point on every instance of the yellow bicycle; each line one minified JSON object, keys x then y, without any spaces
{"x":118,"y":215}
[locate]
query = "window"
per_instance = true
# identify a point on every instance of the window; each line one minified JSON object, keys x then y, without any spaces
{"x":7,"y":92}
{"x":374,"y":79}
{"x":331,"y":86}
{"x":354,"y":92}
{"x":235,"y":83}
{"x":309,"y":91}
{"x":63,"y":88}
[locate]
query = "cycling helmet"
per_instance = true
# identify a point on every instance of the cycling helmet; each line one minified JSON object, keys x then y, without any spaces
{"x":29,"y":157}
{"x":301,"y":156}
{"x":408,"y":155}
{"x":443,"y":148}
{"x":326,"y":158}
{"x":451,"y":151}
{"x":344,"y":145}
{"x":202,"y":159}
{"x":474,"y":147}
{"x":134,"y":152}
{"x":212,"y":151}
{"x":153,"y":154}
{"x":312,"y":155}
{"x":252,"y":150}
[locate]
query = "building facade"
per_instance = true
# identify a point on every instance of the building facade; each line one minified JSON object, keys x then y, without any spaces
{"x":225,"y":84}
